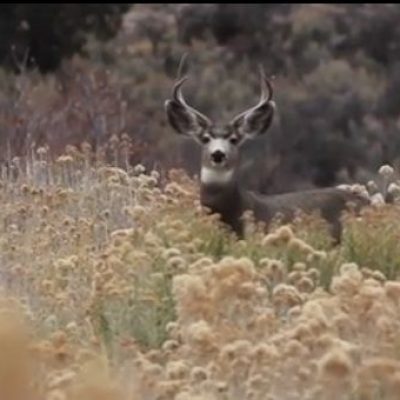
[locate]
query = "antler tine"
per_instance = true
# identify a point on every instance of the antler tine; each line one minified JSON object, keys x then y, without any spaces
{"x":178,"y":97}
{"x":177,"y":94}
{"x":176,"y":91}
{"x":266,"y":95}
{"x":267,"y":90}
{"x":181,"y":65}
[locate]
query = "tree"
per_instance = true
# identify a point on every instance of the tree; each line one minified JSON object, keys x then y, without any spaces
{"x":43,"y":34}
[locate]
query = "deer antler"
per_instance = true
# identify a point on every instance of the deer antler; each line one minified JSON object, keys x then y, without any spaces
{"x":177,"y":94}
{"x":267,"y":90}
{"x":181,"y":65}
{"x":266,"y":97}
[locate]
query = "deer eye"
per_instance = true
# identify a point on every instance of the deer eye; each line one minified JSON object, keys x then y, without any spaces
{"x":205,"y":139}
{"x":234,"y":140}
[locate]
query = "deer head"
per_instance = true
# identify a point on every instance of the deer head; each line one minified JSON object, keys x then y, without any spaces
{"x":220,"y":144}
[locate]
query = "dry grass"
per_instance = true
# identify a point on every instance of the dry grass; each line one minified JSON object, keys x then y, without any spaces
{"x":115,"y":285}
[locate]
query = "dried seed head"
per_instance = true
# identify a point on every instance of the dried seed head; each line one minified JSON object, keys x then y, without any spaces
{"x":335,"y":365}
{"x":199,"y":374}
{"x":285,"y":233}
{"x":386,"y":171}
{"x":377,"y":200}
{"x":394,"y":189}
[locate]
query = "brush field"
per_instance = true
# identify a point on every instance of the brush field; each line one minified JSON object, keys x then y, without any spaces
{"x":116,"y":285}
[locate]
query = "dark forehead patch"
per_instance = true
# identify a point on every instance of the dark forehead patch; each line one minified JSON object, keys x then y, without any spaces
{"x":220,"y":131}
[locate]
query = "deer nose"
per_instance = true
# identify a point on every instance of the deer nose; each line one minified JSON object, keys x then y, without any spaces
{"x":218,"y":156}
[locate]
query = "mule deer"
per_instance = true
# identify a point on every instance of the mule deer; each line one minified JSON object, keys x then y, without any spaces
{"x":221,"y":191}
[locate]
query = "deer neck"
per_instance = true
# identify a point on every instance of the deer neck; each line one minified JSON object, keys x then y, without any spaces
{"x":216,"y":178}
{"x":221,"y":193}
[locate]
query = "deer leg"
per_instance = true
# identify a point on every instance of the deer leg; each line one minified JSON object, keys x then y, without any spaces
{"x":335,"y":229}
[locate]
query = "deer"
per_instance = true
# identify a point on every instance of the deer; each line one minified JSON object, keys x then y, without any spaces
{"x":221,"y":190}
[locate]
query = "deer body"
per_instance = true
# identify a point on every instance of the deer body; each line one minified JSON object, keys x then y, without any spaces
{"x":221,"y":190}
{"x":232,"y":201}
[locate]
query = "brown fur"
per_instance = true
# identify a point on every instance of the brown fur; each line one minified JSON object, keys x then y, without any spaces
{"x":231,"y":202}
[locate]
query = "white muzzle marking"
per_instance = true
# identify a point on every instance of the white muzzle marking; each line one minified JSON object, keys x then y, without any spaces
{"x":214,"y":176}
{"x":219,"y":144}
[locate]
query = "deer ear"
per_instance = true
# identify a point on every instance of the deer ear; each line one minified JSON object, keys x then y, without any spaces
{"x":184,"y":120}
{"x":178,"y":117}
{"x":256,"y":121}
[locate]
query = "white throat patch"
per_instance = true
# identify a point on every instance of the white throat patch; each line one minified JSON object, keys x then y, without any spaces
{"x":213,"y":176}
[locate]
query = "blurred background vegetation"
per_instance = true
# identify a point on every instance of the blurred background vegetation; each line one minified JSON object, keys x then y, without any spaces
{"x":100,"y":73}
